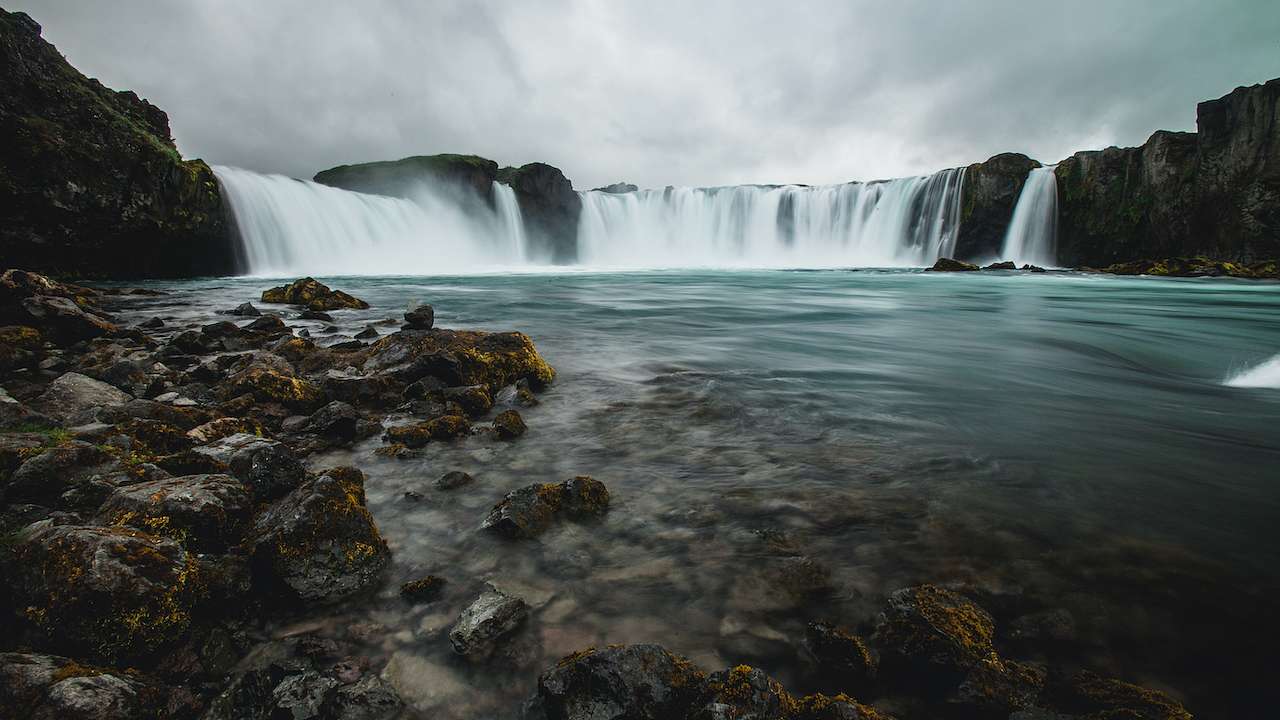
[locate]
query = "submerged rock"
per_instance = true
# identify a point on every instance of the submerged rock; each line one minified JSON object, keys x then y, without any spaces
{"x":949,"y":265}
{"x":843,"y":659}
{"x":526,"y":512}
{"x":453,"y":479}
{"x":368,"y":333}
{"x":460,"y":358}
{"x":474,"y":399}
{"x":486,"y":621}
{"x":109,"y":592}
{"x":313,"y":295}
{"x":319,"y":541}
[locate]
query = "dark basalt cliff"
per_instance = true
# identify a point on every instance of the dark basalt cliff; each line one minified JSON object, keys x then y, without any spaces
{"x":550,"y":208}
{"x":468,"y":178}
{"x":91,"y":183}
{"x":990,"y":193}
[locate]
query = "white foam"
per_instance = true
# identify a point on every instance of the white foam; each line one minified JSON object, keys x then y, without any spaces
{"x":1263,"y":375}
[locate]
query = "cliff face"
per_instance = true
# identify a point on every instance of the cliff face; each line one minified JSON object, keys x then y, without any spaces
{"x":550,"y":207}
{"x":987,"y":200}
{"x":91,"y":183}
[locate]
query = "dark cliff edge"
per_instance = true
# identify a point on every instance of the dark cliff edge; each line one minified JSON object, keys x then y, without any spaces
{"x":91,"y":183}
{"x":987,"y":199}
{"x":550,"y":208}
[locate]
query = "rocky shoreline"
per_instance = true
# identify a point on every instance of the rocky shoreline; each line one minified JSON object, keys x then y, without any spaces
{"x":162,"y":501}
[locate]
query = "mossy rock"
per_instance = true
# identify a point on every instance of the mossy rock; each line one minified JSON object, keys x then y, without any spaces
{"x":313,"y":295}
{"x":459,"y":357}
{"x":109,"y":592}
{"x":1094,"y":697}
{"x":206,"y":513}
{"x":528,"y":511}
{"x":269,"y":386}
{"x":929,"y":637}
{"x":445,"y":427}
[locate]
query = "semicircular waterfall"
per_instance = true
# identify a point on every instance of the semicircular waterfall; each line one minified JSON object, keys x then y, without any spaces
{"x":903,"y":222}
{"x":1032,"y":237}
{"x":292,"y":227}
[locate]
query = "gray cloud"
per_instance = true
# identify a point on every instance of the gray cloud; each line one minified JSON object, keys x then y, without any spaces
{"x":712,"y":92}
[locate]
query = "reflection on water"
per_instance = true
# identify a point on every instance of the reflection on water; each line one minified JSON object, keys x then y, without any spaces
{"x":786,"y":446}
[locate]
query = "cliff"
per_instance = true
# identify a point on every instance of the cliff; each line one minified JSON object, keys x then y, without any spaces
{"x":91,"y":183}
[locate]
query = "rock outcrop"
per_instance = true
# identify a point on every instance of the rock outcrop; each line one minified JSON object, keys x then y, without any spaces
{"x":466,"y":178}
{"x":550,"y":209}
{"x":987,"y":200}
{"x":91,"y":183}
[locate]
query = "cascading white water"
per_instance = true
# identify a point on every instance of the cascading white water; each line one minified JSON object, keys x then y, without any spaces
{"x":903,"y":222}
{"x":1032,"y":237}
{"x":295,"y":227}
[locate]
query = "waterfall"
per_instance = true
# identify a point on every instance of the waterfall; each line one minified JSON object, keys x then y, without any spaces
{"x":296,"y":227}
{"x":903,"y":222}
{"x":1032,"y":236}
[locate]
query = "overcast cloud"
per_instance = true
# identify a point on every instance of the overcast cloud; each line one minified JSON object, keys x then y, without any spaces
{"x":657,"y":93}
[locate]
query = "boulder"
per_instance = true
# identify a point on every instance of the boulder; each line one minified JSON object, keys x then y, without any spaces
{"x":268,"y":325}
{"x":215,"y":430}
{"x":246,"y":310}
{"x":453,"y":479}
{"x":423,"y":589}
{"x":485,"y":622}
{"x":460,"y":358}
{"x":267,"y":385}
{"x":930,"y":637}
{"x":368,"y":333}
{"x":338,"y":422}
{"x":1090,"y":695}
{"x":268,"y":467}
{"x":109,"y":592}
{"x":46,"y":476}
{"x":313,"y":295}
{"x":74,"y":398}
{"x":949,"y":265}
{"x":1006,"y":265}
{"x":528,"y":511}
{"x":844,"y":661}
{"x":421,"y":317}
{"x":319,"y":542}
{"x":474,"y":399}
{"x":62,"y":320}
{"x":631,"y":682}
{"x":508,"y":425}
{"x":315,"y":315}
{"x":445,"y":427}
{"x":206,"y":513}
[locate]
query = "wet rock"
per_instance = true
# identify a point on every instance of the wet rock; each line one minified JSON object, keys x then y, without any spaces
{"x":368,"y":333}
{"x":206,"y":513}
{"x":269,"y":325}
{"x":154,"y":323}
{"x":427,"y":387}
{"x":46,"y":476}
{"x":1056,"y":625}
{"x":313,"y":295}
{"x":319,"y":541}
{"x":508,"y":425}
{"x":338,"y":422}
{"x":631,"y":682}
{"x":1093,"y":696}
{"x":1006,"y":265}
{"x":215,"y":430}
{"x":528,"y":511}
{"x":348,"y":344}
{"x":376,"y":391}
{"x":995,"y":687}
{"x":21,"y":347}
{"x":474,"y":399}
{"x":370,"y":698}
{"x":844,"y":660}
{"x":246,"y":310}
{"x":315,"y":315}
{"x":153,"y":437}
{"x":109,"y":592}
{"x":460,"y":358}
{"x":1033,"y":268}
{"x":63,"y":320}
{"x":930,"y":637}
{"x":485,"y":622}
{"x":453,"y":479}
{"x":423,"y":589}
{"x":266,"y":385}
{"x":445,"y":427}
{"x":268,"y":467}
{"x":949,"y":265}
{"x":420,"y":318}
{"x":73,"y":398}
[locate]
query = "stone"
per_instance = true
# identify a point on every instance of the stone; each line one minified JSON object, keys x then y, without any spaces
{"x":844,"y":660}
{"x":267,"y":385}
{"x":508,"y":425}
{"x":206,"y":513}
{"x":1006,"y":265}
{"x":215,"y":430}
{"x":422,"y":317}
{"x":485,"y":622}
{"x":313,"y":295}
{"x":47,"y":475}
{"x":423,"y":589}
{"x":453,"y":479}
{"x":995,"y":687}
{"x":445,"y":427}
{"x":474,"y":399}
{"x":268,"y":467}
{"x":528,"y":511}
{"x":155,"y":323}
{"x":111,"y":592}
{"x":337,"y":422}
{"x":73,"y":398}
{"x":368,"y":333}
{"x":319,"y":542}
{"x":631,"y":682}
{"x":63,"y":320}
{"x":1090,"y":695}
{"x":930,"y":637}
{"x":949,"y":265}
{"x":1033,"y":268}
{"x":269,"y":325}
{"x":246,"y":310}
{"x":460,"y":358}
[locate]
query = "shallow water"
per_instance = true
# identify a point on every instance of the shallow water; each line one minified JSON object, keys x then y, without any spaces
{"x":1055,"y":441}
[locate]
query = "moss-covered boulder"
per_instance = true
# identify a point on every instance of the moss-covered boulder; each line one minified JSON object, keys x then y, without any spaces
{"x":319,"y":543}
{"x":844,"y":661}
{"x":528,"y":511}
{"x":267,"y":385}
{"x":636,"y":682}
{"x":1092,"y":696}
{"x":461,"y":357}
{"x":114,"y":593}
{"x":49,"y":687}
{"x":444,"y":427}
{"x":508,"y":425}
{"x":91,"y":182}
{"x":206,"y":513}
{"x":313,"y":295}
{"x":1196,"y":267}
{"x":930,"y":637}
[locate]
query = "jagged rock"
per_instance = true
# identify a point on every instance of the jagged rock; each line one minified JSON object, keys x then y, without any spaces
{"x":1033,"y":268}
{"x":931,"y":637}
{"x":631,"y":682}
{"x":94,"y":185}
{"x":1006,"y":265}
{"x":474,"y":399}
{"x":319,"y":541}
{"x":420,"y":318}
{"x":368,"y":333}
{"x":313,"y":295}
{"x":467,"y":178}
{"x":843,"y":659}
{"x":267,"y":385}
{"x":460,"y":358}
{"x":63,"y":320}
{"x":949,"y":265}
{"x":995,"y":687}
{"x":508,"y":425}
{"x":423,"y":589}
{"x":46,"y":476}
{"x":268,"y":467}
{"x":215,"y":430}
{"x":269,"y":325}
{"x":485,"y":622}
{"x":110,"y":592}
{"x":206,"y":513}
{"x":73,"y":398}
{"x":528,"y":511}
{"x":445,"y":427}
{"x":453,"y":479}
{"x":1092,"y":696}
{"x":337,"y":422}
{"x":246,"y":310}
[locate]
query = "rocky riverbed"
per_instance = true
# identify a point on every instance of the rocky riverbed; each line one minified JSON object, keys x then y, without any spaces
{"x":181,"y":540}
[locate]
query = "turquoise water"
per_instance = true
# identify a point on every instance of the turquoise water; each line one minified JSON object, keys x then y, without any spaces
{"x":1054,"y":442}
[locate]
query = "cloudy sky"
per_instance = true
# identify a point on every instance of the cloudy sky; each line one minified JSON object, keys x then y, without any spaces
{"x":688,"y":93}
